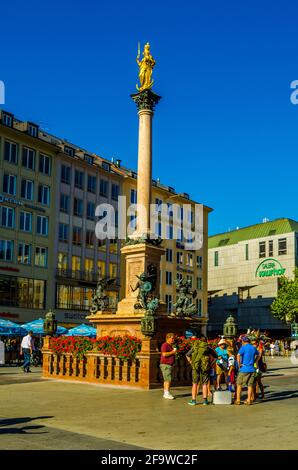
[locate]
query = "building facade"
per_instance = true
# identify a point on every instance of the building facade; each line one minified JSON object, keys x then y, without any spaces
{"x":27,"y":220}
{"x":244,"y":270}
{"x":50,"y":257}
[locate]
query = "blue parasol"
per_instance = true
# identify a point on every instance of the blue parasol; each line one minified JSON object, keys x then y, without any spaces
{"x":82,"y":330}
{"x":9,"y":328}
{"x":36,"y":326}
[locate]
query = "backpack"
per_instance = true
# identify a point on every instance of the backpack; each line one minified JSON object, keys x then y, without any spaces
{"x":200,"y":356}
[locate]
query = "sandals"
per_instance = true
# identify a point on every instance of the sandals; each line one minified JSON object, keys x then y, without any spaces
{"x":237,"y":402}
{"x":246,"y":402}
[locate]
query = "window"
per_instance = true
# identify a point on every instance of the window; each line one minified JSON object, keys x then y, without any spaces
{"x":65,"y":174}
{"x":169,"y":303}
{"x":78,"y":207}
{"x":9,"y":184}
{"x":282,"y":246}
{"x":32,"y":130}
{"x":270,"y":252}
{"x":179,"y":276}
{"x":169,"y":255}
{"x":262,"y":250}
{"x":90,"y":210}
{"x":28,"y":160}
{"x":41,"y":256}
{"x":169,"y":234}
{"x":27,"y":189}
{"x":170,"y":209}
{"x":63,"y":233}
{"x":25,"y":221}
{"x":113,"y":246}
{"x":22,"y":292}
{"x":91,"y":184}
{"x":62,"y":261}
{"x":179,"y":257}
{"x":246,"y":252}
{"x":199,"y":262}
{"x":76,"y":263}
{"x":106,"y":166}
{"x":103,"y":188}
{"x":42,"y":225}
{"x":74,"y":298}
{"x":77,"y":236}
{"x":180,"y":235}
{"x":88,"y":159}
{"x":158,"y":229}
{"x":189,"y":259}
{"x":89,"y":266}
{"x":216,"y":258}
{"x":45,"y":164}
{"x":69,"y":151}
{"x":11,"y":152}
{"x":64,"y":203}
{"x":199,"y":306}
{"x":133,"y":196}
{"x":168,"y":278}
{"x":89,"y":239}
{"x":7,"y":217}
{"x":115,"y":192}
{"x":44,"y":195}
{"x":113,"y":270}
{"x":6,"y":251}
{"x":199,"y":283}
{"x":24,"y":253}
{"x":7,"y":119}
{"x":133,"y":222}
{"x":101,"y":268}
{"x":79,"y":179}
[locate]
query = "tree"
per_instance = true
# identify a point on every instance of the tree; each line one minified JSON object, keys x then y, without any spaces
{"x":285,"y":306}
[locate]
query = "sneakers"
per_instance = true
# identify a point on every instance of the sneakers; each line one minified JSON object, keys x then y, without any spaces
{"x":205,"y":402}
{"x":168,"y":396}
{"x":192,"y":402}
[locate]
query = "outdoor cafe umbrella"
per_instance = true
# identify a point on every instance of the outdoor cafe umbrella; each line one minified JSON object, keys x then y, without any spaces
{"x":82,"y":330}
{"x":9,"y":328}
{"x":36,"y":326}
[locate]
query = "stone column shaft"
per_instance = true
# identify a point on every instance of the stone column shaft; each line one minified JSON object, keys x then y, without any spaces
{"x":144,"y":171}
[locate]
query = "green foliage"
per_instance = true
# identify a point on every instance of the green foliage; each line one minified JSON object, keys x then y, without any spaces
{"x":285,"y":306}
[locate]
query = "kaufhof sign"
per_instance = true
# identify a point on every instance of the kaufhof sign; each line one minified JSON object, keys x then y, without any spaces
{"x":270,"y":268}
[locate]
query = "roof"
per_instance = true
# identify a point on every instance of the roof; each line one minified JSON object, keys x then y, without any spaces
{"x":266,"y":229}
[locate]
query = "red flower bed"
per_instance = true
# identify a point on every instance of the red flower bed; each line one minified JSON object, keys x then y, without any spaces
{"x":183,"y":344}
{"x":124,"y":347}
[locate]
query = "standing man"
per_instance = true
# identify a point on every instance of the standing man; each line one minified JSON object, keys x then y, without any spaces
{"x":247,"y":356}
{"x":26,"y":349}
{"x":167,"y":361}
{"x":199,"y":356}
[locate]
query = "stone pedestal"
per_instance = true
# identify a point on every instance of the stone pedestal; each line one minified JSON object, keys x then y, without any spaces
{"x":137,"y":259}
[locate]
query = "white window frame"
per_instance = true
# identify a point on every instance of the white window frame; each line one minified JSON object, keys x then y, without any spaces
{"x":22,"y":261}
{"x":26,"y":214}
{"x":44,"y":221}
{"x":12,"y":180}
{"x":5,"y":250}
{"x":7,"y":210}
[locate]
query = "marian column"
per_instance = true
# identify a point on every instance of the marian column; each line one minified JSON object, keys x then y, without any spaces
{"x":145,"y":101}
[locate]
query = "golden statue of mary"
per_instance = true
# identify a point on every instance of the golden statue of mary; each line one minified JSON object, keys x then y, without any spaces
{"x":145,"y":68}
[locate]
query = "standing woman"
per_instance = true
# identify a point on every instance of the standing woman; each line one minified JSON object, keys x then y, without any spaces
{"x":262,"y":367}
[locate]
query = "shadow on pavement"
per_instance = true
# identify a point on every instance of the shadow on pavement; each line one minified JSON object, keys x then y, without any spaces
{"x":25,"y":419}
{"x":22,"y":430}
{"x":278,"y":396}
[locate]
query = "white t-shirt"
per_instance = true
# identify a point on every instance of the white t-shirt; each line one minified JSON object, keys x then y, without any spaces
{"x":27,"y":342}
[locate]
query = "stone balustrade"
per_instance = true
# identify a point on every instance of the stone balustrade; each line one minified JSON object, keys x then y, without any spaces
{"x":97,"y":368}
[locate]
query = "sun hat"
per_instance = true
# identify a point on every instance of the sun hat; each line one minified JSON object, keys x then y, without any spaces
{"x":222,"y":341}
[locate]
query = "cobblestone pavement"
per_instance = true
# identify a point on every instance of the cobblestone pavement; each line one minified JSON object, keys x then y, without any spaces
{"x":48,"y":414}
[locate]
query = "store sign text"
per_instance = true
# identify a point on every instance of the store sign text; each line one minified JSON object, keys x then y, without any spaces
{"x":270,"y":267}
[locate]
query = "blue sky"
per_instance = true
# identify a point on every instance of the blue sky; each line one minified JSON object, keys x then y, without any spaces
{"x":225,"y":130}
